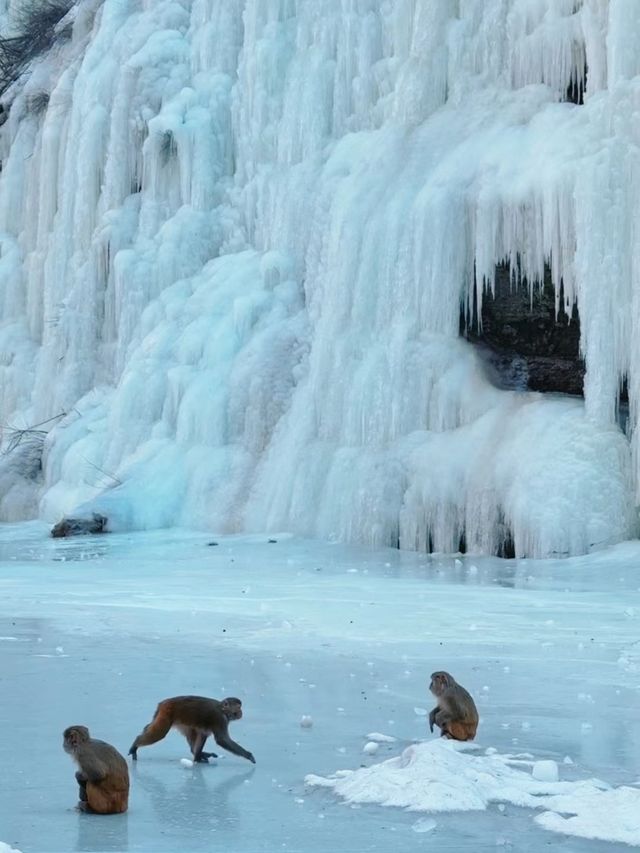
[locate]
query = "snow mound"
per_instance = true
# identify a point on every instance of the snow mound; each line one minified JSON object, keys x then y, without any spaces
{"x":5,"y":848}
{"x":443,"y":776}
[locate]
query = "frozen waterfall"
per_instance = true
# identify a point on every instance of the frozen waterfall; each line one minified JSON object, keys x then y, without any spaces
{"x":234,"y":246}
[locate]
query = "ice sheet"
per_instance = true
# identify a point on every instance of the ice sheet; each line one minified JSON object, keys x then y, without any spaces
{"x":100,"y":628}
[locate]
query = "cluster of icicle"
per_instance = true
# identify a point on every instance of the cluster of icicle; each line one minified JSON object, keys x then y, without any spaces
{"x":235,"y":244}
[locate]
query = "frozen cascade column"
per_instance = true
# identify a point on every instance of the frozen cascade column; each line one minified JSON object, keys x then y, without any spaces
{"x":252,"y":224}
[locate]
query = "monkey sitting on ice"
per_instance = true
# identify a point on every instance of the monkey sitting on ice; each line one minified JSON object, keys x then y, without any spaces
{"x":196,"y":717}
{"x":455,"y":714}
{"x":103,"y":775}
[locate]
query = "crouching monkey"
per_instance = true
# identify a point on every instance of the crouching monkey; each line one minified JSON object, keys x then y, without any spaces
{"x":103,"y":775}
{"x":196,"y":717}
{"x":455,"y":714}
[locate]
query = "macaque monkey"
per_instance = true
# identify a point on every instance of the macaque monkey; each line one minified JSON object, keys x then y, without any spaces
{"x":103,"y":775}
{"x":455,"y":714}
{"x":196,"y":717}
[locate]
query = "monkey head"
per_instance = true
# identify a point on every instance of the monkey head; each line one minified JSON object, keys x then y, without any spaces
{"x":440,"y":681}
{"x":73,"y":737}
{"x":232,"y":708}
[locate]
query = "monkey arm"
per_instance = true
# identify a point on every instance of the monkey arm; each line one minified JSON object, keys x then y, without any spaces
{"x":223,"y":740}
{"x":452,"y":707}
{"x":432,"y":717}
{"x":92,"y":769}
{"x":442,"y":718}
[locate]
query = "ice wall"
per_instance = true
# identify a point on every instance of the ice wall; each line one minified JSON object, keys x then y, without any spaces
{"x":234,"y":247}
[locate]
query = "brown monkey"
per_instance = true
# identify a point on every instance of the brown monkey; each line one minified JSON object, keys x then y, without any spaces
{"x":456,"y":713}
{"x":103,"y":776}
{"x":196,"y":717}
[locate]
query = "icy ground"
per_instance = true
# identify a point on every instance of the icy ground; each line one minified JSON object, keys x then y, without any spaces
{"x":96,"y":630}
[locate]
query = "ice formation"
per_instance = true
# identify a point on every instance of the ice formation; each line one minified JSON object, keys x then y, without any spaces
{"x":234,"y":246}
{"x":443,"y":776}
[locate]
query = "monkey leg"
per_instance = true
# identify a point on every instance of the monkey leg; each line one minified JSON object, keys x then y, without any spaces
{"x":154,"y":731}
{"x":196,"y":740}
{"x":197,"y":745}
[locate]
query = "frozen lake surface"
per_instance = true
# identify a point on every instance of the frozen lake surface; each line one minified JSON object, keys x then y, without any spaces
{"x":96,"y":630}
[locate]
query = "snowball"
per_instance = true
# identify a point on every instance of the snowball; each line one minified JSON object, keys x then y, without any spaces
{"x":425,"y":824}
{"x":186,"y":762}
{"x":420,"y":712}
{"x":371,"y":747}
{"x":305,"y":721}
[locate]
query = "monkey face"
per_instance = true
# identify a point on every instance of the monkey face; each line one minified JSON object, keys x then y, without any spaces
{"x":232,"y":708}
{"x":439,"y":682}
{"x":73,"y":737}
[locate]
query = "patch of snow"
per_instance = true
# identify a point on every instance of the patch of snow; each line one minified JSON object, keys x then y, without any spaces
{"x":377,"y":737}
{"x":444,"y":776}
{"x":424,"y":824}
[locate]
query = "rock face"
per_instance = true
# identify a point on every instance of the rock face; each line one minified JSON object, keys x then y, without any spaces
{"x":525,"y":344}
{"x":79,"y":526}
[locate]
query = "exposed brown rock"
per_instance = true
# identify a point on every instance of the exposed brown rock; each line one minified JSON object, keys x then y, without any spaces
{"x":80,"y":526}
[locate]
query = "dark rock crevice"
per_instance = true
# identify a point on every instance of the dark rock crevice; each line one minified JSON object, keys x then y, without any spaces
{"x":525,"y":344}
